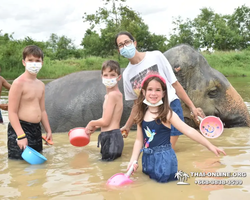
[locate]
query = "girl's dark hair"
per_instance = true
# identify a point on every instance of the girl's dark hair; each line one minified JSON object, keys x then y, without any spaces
{"x":123,"y":33}
{"x":113,"y":65}
{"x":32,"y":50}
{"x":163,"y":110}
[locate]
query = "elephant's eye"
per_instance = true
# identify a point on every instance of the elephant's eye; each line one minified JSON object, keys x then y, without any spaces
{"x":213,"y":92}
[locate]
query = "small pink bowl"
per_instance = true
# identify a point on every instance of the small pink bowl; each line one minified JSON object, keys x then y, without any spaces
{"x":211,"y":127}
{"x":78,"y":137}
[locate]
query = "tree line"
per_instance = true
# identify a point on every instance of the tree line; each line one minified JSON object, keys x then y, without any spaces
{"x":207,"y":30}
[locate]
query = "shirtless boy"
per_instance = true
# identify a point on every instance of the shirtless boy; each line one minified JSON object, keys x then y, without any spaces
{"x":27,"y":106}
{"x":111,"y":138}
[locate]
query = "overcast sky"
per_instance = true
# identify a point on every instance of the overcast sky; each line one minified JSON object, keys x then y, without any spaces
{"x":39,"y":19}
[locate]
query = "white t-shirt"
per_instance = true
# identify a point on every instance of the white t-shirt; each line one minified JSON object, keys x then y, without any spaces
{"x":154,"y":61}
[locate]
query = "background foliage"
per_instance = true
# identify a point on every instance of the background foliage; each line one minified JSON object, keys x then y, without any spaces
{"x":208,"y":31}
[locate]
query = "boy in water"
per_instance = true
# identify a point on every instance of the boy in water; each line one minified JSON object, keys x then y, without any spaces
{"x":111,"y":138}
{"x":27,"y":106}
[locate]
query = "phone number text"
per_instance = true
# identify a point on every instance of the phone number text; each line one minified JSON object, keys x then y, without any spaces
{"x":218,"y":182}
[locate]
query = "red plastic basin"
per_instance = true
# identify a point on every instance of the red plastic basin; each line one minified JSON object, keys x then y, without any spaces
{"x":78,"y":137}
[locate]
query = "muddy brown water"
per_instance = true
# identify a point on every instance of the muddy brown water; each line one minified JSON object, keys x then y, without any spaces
{"x":78,"y":173}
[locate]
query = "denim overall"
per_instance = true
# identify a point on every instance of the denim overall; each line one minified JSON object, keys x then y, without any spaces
{"x":159,"y":161}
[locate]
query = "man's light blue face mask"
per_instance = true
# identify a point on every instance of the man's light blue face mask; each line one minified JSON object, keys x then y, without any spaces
{"x":128,"y":51}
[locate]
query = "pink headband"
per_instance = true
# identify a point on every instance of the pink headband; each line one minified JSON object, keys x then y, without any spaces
{"x":152,"y":75}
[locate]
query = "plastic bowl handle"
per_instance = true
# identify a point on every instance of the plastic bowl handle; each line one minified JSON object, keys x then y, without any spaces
{"x":131,"y":169}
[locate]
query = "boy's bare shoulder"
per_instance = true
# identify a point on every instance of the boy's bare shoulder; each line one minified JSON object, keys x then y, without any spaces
{"x":115,"y":94}
{"x":39,"y":81}
{"x":19,"y":80}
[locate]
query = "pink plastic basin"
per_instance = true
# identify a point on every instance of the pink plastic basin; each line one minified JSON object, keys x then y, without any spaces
{"x":211,"y":127}
{"x":78,"y":137}
{"x":119,"y":179}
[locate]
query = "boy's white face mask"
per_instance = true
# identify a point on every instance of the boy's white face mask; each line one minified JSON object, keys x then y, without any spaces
{"x":109,"y":82}
{"x":153,"y":105}
{"x":33,"y":67}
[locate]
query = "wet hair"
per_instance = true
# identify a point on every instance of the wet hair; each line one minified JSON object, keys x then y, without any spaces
{"x":123,"y":33}
{"x":32,"y":50}
{"x":113,"y":65}
{"x":163,"y":110}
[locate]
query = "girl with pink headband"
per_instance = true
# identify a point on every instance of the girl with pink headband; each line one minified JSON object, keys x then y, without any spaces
{"x":154,"y":119}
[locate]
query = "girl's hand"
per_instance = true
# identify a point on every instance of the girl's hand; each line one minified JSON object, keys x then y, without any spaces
{"x":216,"y":150}
{"x":135,"y":163}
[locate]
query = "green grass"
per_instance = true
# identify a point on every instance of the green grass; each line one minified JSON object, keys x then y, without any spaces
{"x":58,"y":68}
{"x":231,"y":64}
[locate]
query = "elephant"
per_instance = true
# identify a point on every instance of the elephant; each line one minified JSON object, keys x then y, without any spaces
{"x":207,"y":88}
{"x":75,"y":99}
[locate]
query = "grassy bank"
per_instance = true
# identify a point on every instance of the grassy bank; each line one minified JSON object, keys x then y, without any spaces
{"x":57,"y":68}
{"x":231,"y":64}
{"x":234,"y":64}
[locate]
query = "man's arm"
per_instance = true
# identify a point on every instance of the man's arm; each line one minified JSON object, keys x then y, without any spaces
{"x":181,"y":93}
{"x":130,"y":120}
